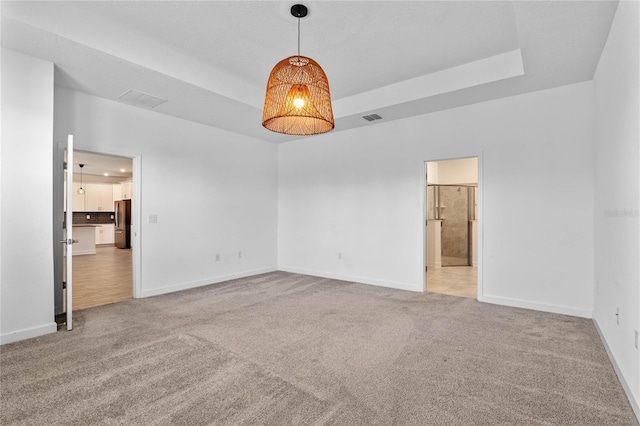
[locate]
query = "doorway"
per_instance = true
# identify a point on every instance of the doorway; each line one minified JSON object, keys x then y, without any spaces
{"x":452,"y":227}
{"x":102,"y":268}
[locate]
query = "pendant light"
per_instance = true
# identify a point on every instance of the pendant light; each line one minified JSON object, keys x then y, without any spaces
{"x":298,"y":101}
{"x":81,"y":190}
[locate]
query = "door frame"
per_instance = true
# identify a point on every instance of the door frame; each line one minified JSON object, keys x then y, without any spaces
{"x":58,"y":230}
{"x":479,"y":218}
{"x":63,"y":244}
{"x":135,"y":207}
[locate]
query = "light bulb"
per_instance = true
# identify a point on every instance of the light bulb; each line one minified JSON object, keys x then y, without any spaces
{"x":298,"y":102}
{"x":81,"y":191}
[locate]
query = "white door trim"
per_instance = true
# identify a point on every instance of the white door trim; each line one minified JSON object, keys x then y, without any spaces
{"x":135,"y":207}
{"x":69,"y":236}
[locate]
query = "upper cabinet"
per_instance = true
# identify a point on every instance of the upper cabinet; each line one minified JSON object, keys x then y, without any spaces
{"x":117,"y":192}
{"x":78,"y":199}
{"x":98,"y":197}
{"x":123,"y":191}
{"x":126,"y":189}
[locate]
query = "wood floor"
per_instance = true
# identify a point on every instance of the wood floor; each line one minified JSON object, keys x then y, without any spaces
{"x":106,"y":277}
{"x":102,"y":278}
{"x":459,"y":281}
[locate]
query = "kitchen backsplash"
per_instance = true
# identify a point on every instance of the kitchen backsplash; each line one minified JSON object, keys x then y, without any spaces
{"x":94,"y":217}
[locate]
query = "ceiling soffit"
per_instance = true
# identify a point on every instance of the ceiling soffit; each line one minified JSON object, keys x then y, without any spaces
{"x":210,"y":60}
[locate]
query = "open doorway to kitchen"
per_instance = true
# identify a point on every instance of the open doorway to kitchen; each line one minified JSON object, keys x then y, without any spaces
{"x":452,"y":227}
{"x":102,"y":225}
{"x":103,"y":273}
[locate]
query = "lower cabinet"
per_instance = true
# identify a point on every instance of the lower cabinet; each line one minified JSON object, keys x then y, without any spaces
{"x":104,"y":234}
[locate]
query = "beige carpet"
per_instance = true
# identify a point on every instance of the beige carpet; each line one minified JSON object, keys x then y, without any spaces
{"x":282,"y":348}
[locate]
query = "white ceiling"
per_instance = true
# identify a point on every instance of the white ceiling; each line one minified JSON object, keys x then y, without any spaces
{"x":98,"y":165}
{"x":211,"y":59}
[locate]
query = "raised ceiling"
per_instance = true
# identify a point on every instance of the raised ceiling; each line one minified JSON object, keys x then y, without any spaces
{"x":210,"y":59}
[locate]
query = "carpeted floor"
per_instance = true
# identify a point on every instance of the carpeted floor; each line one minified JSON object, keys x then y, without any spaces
{"x":281,"y":348}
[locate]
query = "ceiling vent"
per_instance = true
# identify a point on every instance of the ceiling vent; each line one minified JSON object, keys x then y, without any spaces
{"x":139,"y":98}
{"x":372,"y":117}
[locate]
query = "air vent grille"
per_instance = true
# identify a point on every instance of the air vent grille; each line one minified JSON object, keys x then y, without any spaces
{"x":372,"y":117}
{"x":140,"y":98}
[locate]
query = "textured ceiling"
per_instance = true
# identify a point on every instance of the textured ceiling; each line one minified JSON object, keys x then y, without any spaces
{"x":211,"y":59}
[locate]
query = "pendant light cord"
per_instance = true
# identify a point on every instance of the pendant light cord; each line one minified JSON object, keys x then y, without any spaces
{"x":298,"y":36}
{"x":299,"y":57}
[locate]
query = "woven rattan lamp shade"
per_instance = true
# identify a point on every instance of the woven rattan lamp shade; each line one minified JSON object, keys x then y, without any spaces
{"x":298,"y":101}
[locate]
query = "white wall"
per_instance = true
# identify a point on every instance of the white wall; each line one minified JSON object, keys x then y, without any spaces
{"x":212,"y":191}
{"x":617,"y":196}
{"x":432,"y":172}
{"x":464,"y":170}
{"x":26,"y":262}
{"x":360,"y":192}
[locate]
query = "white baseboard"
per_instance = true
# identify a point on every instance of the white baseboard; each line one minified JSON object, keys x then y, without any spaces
{"x":625,"y":385}
{"x":355,"y":279}
{"x":200,"y":283}
{"x":555,"y":309}
{"x":28,"y":333}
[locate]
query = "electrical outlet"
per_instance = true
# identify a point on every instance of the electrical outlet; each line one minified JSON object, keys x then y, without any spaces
{"x":88,"y":217}
{"x":153,"y":218}
{"x":217,"y":258}
{"x":240,"y":255}
{"x":339,"y":256}
{"x":636,"y":339}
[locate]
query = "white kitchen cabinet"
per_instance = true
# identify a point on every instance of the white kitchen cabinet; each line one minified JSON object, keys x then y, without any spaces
{"x":104,"y":233}
{"x":126,"y":190}
{"x":99,"y":232}
{"x":78,"y":199}
{"x":86,"y":239}
{"x":117,"y":192}
{"x":108,"y":235}
{"x":98,"y":197}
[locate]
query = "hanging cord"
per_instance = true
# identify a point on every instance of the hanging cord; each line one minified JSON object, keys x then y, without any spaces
{"x":298,"y":36}
{"x":299,"y":58}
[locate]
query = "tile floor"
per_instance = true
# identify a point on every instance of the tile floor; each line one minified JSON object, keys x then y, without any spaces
{"x":459,"y":281}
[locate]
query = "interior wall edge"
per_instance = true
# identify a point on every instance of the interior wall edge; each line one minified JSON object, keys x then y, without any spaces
{"x":616,"y":89}
{"x":633,"y":400}
{"x":26,"y":289}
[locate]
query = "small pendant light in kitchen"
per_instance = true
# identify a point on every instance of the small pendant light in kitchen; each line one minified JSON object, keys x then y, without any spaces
{"x":298,"y":101}
{"x":81,"y":190}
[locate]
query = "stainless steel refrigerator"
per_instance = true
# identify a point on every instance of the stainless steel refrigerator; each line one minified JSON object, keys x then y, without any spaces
{"x":123,"y":224}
